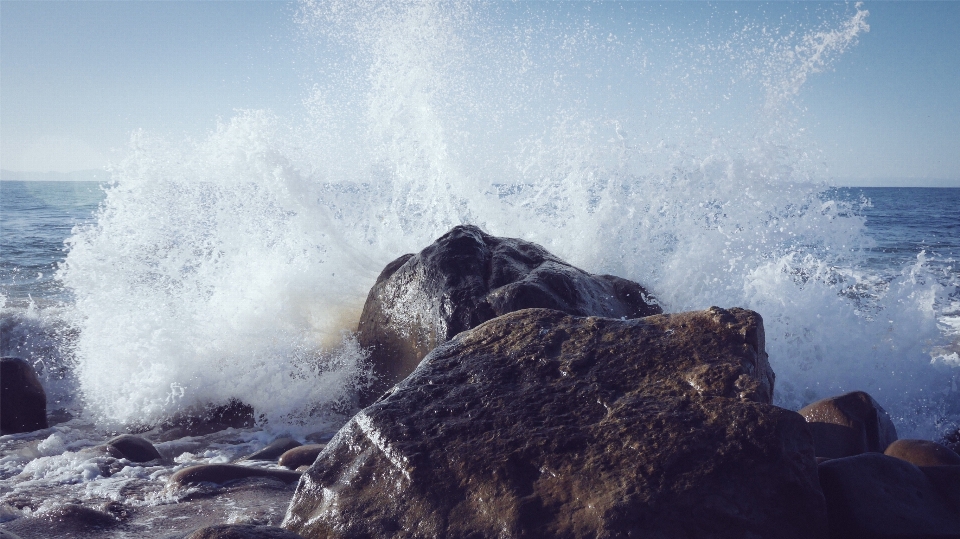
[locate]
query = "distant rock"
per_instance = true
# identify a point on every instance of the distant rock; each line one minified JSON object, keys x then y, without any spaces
{"x":77,"y":516}
{"x":300,"y":456}
{"x":23,"y":403}
{"x":207,"y":420}
{"x":923,"y":453}
{"x":134,"y":448}
{"x":874,"y":496}
{"x":539,"y":424}
{"x":242,"y":531}
{"x":466,"y":278}
{"x":273,"y":451}
{"x":223,"y":473}
{"x":849,"y":425}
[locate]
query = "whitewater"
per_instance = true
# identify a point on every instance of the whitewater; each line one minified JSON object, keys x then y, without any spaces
{"x":234,"y":266}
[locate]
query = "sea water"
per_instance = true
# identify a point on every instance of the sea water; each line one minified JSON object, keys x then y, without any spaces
{"x":234,"y":266}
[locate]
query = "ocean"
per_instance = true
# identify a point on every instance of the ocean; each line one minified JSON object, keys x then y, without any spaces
{"x":234,"y":265}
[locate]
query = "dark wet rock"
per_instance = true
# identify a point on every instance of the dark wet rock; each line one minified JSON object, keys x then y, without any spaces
{"x":242,"y":531}
{"x":23,"y":403}
{"x":4,"y":534}
{"x":213,"y":418}
{"x":946,"y":479}
{"x":849,"y":425}
{"x":539,"y":424}
{"x":78,"y":516}
{"x":923,"y":453}
{"x":300,"y":456}
{"x":223,"y":473}
{"x":466,"y":278}
{"x":273,"y":451}
{"x":874,"y":496}
{"x":134,"y":448}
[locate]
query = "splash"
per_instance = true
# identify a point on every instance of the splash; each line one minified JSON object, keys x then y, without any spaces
{"x":235,"y":267}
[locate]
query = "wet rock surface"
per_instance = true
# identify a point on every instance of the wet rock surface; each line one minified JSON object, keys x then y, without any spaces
{"x":134,"y":448}
{"x":23,"y":402}
{"x":242,"y":531}
{"x":848,"y":425}
{"x":468,"y":277}
{"x":274,"y":450}
{"x":923,"y":453}
{"x":213,"y":418}
{"x":223,"y":473}
{"x":301,"y":456}
{"x":540,"y":424}
{"x":874,"y":496}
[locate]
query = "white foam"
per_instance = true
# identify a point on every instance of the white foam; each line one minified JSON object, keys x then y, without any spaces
{"x":228,"y":267}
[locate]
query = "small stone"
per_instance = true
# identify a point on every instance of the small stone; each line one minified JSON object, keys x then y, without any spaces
{"x":848,"y":425}
{"x":223,"y":473}
{"x":23,"y":403}
{"x":300,"y":456}
{"x":134,"y":448}
{"x":242,"y":531}
{"x":274,"y":449}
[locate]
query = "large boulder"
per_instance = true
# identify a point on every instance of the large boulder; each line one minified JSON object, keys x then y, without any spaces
{"x":541,"y":424}
{"x":848,"y":425}
{"x":23,"y":403}
{"x":874,"y":496}
{"x":466,"y":278}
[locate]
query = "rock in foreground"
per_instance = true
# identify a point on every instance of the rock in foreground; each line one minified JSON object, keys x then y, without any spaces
{"x":539,"y":424}
{"x":466,"y":278}
{"x":874,"y":496}
{"x":23,"y":403}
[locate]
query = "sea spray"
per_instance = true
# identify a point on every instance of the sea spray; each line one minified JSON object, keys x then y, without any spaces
{"x":235,"y":266}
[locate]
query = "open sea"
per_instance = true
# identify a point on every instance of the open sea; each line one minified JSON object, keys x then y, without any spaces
{"x":234,"y":266}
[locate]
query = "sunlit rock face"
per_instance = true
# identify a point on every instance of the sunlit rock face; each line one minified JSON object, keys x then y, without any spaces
{"x":542,"y":424}
{"x":467,"y":277}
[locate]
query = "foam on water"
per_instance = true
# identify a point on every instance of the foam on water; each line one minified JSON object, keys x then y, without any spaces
{"x":231,"y":267}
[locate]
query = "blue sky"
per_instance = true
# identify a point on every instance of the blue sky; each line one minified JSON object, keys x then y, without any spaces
{"x":76,"y":78}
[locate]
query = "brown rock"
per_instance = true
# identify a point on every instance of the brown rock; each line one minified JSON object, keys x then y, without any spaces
{"x":466,"y":278}
{"x":223,"y":473}
{"x":300,"y":456}
{"x":923,"y":453}
{"x":23,"y":403}
{"x":242,"y":531}
{"x":273,"y":451}
{"x":873,"y":496}
{"x":539,"y":424}
{"x":134,"y":448}
{"x":849,"y":425}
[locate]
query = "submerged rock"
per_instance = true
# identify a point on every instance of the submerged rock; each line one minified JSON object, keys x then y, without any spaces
{"x":466,"y":278}
{"x":273,"y":451}
{"x":242,"y":531}
{"x":874,"y":496}
{"x":213,"y":418}
{"x":540,"y":424}
{"x":849,"y":425}
{"x":133,"y":448}
{"x":23,"y":403}
{"x":300,"y":456}
{"x":923,"y":453}
{"x":223,"y":473}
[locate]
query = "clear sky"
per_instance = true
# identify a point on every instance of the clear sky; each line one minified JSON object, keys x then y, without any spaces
{"x":76,"y":78}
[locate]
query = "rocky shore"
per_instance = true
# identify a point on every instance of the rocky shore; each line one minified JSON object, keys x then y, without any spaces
{"x":515,"y":396}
